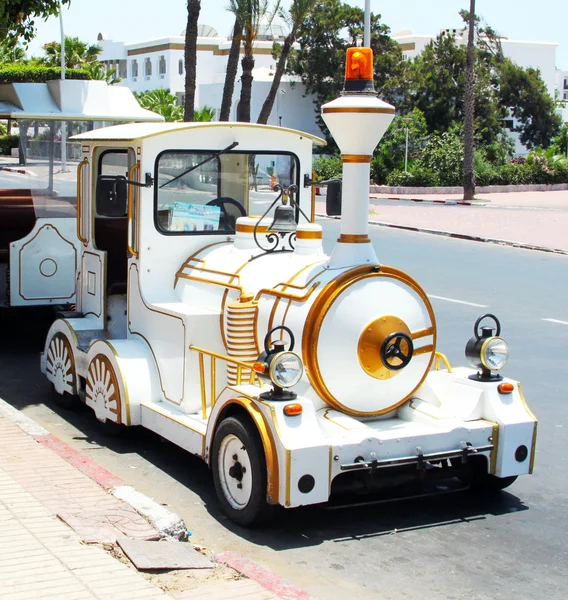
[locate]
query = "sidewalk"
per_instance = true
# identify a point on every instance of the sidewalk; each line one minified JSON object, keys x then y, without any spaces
{"x":534,"y":220}
{"x":52,"y":515}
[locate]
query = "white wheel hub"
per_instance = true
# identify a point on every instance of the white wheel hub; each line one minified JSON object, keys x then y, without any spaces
{"x":59,"y":364}
{"x":235,"y":472}
{"x":102,"y":391}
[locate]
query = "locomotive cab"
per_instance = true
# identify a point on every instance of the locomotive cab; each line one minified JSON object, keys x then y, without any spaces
{"x":211,"y":315}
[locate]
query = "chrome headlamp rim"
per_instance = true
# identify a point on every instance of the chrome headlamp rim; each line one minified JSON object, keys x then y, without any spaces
{"x":486,"y":342}
{"x":276,"y":360}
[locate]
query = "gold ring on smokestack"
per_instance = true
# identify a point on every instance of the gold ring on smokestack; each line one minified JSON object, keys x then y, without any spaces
{"x":356,"y":158}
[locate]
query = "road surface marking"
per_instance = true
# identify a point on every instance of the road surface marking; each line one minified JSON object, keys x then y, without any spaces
{"x":556,"y":321}
{"x":457,"y":301}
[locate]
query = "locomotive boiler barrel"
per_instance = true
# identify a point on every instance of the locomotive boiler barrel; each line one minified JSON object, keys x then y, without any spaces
{"x":368,"y":340}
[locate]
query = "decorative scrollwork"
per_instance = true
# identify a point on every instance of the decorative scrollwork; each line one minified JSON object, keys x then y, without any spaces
{"x":280,"y":240}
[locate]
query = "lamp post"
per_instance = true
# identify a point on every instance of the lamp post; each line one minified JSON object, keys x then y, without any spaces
{"x":407,"y":122}
{"x":63,"y":123}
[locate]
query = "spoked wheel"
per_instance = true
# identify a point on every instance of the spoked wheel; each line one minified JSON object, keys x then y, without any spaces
{"x":103,"y":394}
{"x":60,"y":367}
{"x":239,"y":472}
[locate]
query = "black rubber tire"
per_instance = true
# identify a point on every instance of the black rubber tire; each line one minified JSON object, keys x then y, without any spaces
{"x":65,"y":401}
{"x":257,"y":511}
{"x":491,"y":483}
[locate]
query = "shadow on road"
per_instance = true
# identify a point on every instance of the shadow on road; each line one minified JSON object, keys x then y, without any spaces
{"x":22,"y":384}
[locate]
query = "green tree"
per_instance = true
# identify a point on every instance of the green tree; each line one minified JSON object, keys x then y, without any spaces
{"x":331,"y":27}
{"x":17,"y":17}
{"x":11,"y":51}
{"x":161,"y":101}
{"x":99,"y":72}
{"x":526,"y":95}
{"x":193,"y":10}
{"x":204,"y":114}
{"x":390,"y":153}
{"x":77,"y":53}
{"x":296,"y":17}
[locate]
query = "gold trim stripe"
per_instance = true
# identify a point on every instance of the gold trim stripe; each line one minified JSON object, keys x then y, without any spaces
{"x":309,"y":235}
{"x":355,"y":238}
{"x":356,"y":158}
{"x":352,"y":109}
{"x":242,"y":228}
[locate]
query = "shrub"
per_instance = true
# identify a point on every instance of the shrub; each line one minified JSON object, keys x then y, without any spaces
{"x":419,"y":177}
{"x":327,"y":167}
{"x":22,"y":73}
{"x":7,"y":142}
{"x":443,"y":155}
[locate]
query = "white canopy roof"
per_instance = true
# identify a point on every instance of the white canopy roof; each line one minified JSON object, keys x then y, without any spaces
{"x":71,"y":100}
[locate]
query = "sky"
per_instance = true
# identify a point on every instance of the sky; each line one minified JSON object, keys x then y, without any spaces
{"x":140,"y":20}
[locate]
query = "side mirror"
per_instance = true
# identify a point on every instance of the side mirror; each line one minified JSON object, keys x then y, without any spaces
{"x":111,"y":196}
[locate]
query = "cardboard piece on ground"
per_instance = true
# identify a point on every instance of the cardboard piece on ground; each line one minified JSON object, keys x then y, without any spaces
{"x":148,"y":556}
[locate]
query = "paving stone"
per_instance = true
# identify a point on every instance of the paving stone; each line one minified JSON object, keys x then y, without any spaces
{"x":148,"y":556}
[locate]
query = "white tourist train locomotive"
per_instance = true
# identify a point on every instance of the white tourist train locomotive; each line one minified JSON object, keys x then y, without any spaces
{"x":208,"y":312}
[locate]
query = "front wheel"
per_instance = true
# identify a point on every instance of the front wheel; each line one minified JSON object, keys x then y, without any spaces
{"x":239,"y":472}
{"x":491,"y":483}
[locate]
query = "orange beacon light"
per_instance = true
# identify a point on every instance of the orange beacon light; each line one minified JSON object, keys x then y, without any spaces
{"x":359,"y":70}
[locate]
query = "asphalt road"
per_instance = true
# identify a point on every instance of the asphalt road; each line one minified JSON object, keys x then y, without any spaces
{"x":458,"y":546}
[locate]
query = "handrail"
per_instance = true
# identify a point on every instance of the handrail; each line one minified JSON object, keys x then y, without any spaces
{"x":285,"y":295}
{"x":229,"y":359}
{"x":439,"y":356}
{"x":82,"y":164}
{"x":132,"y":176}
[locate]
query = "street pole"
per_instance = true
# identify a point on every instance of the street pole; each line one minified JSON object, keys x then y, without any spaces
{"x":367,"y":35}
{"x":406,"y":152}
{"x":63,"y":123}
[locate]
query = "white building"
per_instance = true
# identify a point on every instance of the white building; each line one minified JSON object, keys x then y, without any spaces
{"x":160,"y":63}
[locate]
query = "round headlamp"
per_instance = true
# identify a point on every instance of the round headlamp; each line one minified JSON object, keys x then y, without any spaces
{"x":494,"y":353}
{"x":286,"y":369}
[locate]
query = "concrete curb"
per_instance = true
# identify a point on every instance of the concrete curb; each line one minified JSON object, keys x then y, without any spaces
{"x":14,"y":170}
{"x":427,"y":201}
{"x":481,"y":189}
{"x":167,"y":523}
{"x":266,"y":578}
{"x":462,"y":236}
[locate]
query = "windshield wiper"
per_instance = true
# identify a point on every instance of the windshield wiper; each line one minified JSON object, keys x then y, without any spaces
{"x":227,"y":149}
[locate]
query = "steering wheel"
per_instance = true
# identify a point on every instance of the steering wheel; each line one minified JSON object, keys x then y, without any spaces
{"x":396,"y":351}
{"x":231,"y":210}
{"x":476,"y":328}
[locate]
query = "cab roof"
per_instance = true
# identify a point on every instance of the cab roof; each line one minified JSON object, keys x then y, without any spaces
{"x":139,"y":131}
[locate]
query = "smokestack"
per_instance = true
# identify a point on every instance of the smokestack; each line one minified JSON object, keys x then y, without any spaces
{"x":357,"y":121}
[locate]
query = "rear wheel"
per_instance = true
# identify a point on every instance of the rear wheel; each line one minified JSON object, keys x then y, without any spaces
{"x":60,"y":368}
{"x":239,"y":472}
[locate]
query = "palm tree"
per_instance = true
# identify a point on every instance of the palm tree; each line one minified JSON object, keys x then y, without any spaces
{"x":77,"y":53}
{"x":193,"y":10}
{"x":99,"y":72}
{"x":204,"y":114}
{"x":295,"y":17}
{"x":11,"y":51}
{"x":469,"y":110}
{"x":249,"y":13}
{"x":231,"y":71}
{"x":161,"y":102}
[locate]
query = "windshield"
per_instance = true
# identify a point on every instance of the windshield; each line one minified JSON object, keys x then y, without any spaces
{"x":205,"y":192}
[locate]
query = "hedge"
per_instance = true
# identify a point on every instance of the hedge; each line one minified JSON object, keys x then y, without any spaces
{"x":7,"y":142}
{"x":22,"y":73}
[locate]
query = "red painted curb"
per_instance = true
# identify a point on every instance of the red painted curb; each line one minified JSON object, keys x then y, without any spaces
{"x":266,"y":578}
{"x":87,"y":466}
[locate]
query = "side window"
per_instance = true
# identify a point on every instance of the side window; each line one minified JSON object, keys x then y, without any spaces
{"x":111,"y":190}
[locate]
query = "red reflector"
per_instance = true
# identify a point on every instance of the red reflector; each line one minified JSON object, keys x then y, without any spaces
{"x":292,"y":410}
{"x":259,"y":367}
{"x":505,"y":388}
